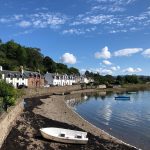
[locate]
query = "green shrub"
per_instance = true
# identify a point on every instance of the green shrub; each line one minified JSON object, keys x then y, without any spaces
{"x":9,"y":100}
{"x":7,"y":89}
{"x":8,"y":93}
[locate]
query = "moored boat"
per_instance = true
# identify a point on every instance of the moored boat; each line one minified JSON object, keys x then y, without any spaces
{"x":64,"y":135}
{"x":122,"y":98}
{"x":131,"y":92}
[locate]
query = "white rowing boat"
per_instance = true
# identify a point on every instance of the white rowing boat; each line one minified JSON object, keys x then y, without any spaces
{"x":64,"y":135}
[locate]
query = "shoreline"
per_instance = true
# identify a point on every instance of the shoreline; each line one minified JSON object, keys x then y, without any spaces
{"x":110,"y":137}
{"x":53,"y":111}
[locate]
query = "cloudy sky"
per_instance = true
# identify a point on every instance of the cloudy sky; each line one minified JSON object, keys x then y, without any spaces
{"x":106,"y":36}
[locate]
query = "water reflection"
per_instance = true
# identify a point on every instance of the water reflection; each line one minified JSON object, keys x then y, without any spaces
{"x":107,"y":112}
{"x":128,"y":120}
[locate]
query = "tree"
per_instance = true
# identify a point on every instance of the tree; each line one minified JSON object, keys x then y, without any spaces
{"x":110,"y":79}
{"x":74,"y":71}
{"x":34,"y":58}
{"x":61,"y":68}
{"x":120,"y":80}
{"x":131,"y":79}
{"x":87,"y":73}
{"x":49,"y":64}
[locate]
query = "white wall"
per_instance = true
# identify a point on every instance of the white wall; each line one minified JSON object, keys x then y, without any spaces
{"x":14,"y":81}
{"x":62,"y":82}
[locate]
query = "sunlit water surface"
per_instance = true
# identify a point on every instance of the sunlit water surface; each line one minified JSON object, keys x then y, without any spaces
{"x":126,"y":120}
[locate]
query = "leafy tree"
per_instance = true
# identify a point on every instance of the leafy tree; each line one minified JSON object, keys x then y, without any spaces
{"x":131,"y":79}
{"x":87,"y":73}
{"x":110,"y":79}
{"x":74,"y":71}
{"x":61,"y":68}
{"x":120,"y":80}
{"x":49,"y":64}
{"x":11,"y":51}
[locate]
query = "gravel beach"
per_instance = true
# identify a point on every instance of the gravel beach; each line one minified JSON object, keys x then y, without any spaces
{"x":52,"y":111}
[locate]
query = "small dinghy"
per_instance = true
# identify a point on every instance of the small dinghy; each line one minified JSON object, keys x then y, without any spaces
{"x":64,"y":135}
{"x":122,"y":98}
{"x":131,"y":92}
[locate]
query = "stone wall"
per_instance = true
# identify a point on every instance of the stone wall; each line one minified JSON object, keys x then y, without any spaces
{"x":51,"y":90}
{"x":7,"y":119}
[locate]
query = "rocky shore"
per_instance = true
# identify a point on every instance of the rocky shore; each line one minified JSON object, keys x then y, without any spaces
{"x":52,"y":111}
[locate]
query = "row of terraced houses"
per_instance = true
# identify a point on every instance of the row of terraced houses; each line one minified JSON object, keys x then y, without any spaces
{"x":32,"y":79}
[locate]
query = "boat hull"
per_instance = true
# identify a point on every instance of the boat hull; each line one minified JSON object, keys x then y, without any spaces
{"x":122,"y":98}
{"x":67,"y":140}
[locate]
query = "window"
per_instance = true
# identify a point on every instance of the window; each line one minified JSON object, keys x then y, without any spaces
{"x":62,"y":135}
{"x":78,"y":136}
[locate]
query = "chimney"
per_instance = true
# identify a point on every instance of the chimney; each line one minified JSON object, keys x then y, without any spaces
{"x":1,"y":68}
{"x":21,"y":69}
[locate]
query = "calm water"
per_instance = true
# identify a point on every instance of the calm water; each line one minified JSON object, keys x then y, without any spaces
{"x":126,"y":120}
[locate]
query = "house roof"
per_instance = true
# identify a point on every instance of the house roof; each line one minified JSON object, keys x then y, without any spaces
{"x":16,"y":74}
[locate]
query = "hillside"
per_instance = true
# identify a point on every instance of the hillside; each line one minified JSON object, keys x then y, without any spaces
{"x":14,"y":55}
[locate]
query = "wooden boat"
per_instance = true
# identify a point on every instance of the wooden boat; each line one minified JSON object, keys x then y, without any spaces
{"x":122,"y":98}
{"x":64,"y":135}
{"x":131,"y":92}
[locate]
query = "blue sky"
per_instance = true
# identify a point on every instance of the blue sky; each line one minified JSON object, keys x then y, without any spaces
{"x":106,"y":36}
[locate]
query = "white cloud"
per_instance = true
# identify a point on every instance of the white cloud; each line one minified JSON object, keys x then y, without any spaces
{"x":43,"y":20}
{"x":111,"y":5}
{"x":73,"y":31}
{"x":132,"y":70}
{"x":117,"y":2}
{"x":36,"y":20}
{"x":68,"y":58}
{"x":127,"y":51}
{"x":102,"y":71}
{"x":102,"y":14}
{"x":18,"y":17}
{"x":105,"y":53}
{"x":115,"y":68}
{"x":106,"y":62}
{"x":24,"y":24}
{"x":105,"y":71}
{"x":79,"y":31}
{"x":146,"y":53}
{"x":94,"y":19}
{"x":118,"y":31}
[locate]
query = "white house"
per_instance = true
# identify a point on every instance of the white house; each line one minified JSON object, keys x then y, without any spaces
{"x":102,"y":86}
{"x":15,"y":78}
{"x":59,"y":80}
{"x":84,"y":79}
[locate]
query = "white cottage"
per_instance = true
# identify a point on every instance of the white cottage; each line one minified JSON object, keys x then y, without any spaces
{"x":59,"y":80}
{"x":15,"y":78}
{"x":84,"y":79}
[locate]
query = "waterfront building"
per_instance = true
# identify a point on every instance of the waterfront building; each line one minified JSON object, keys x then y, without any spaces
{"x":102,"y":86}
{"x":84,"y":79}
{"x":22,"y":78}
{"x":54,"y":79}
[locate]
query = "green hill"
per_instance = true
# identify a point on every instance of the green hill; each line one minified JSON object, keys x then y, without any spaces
{"x":14,"y":55}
